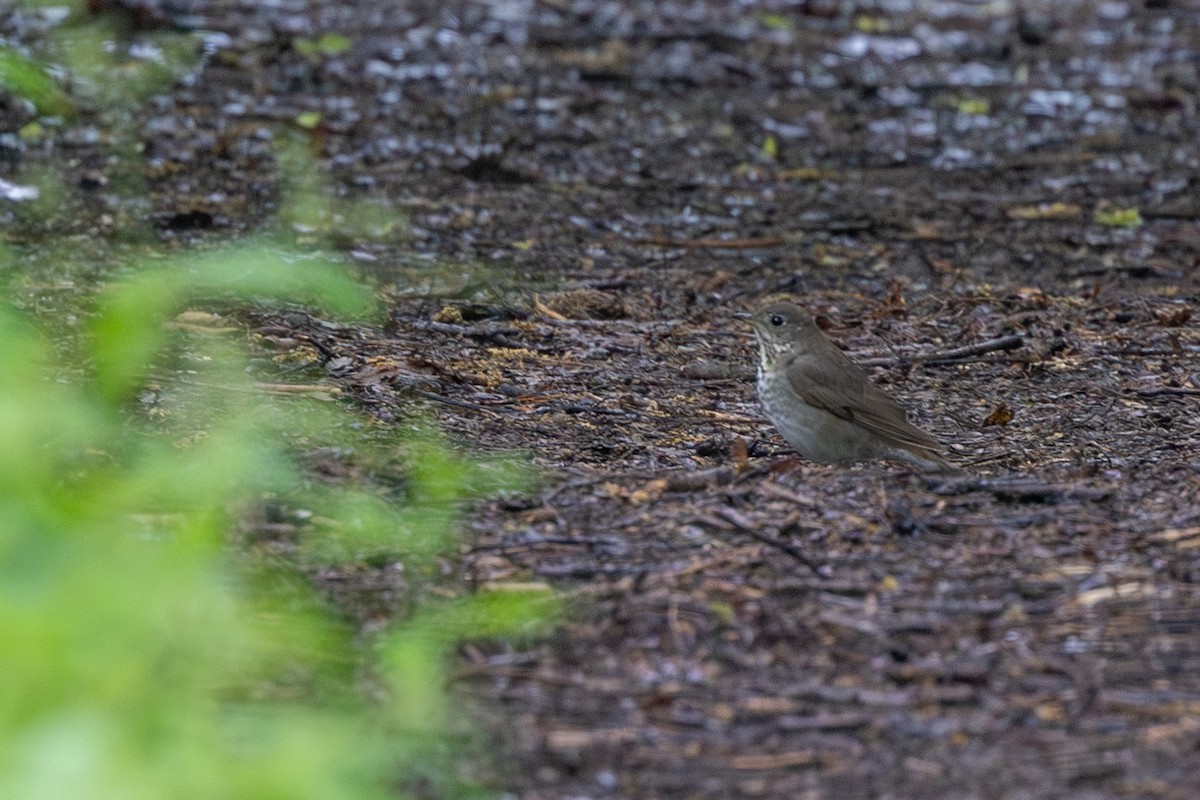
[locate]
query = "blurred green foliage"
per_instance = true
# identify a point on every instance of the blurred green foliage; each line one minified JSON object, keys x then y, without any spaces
{"x":143,"y":656}
{"x":145,"y":652}
{"x":29,"y":79}
{"x":112,"y":77}
{"x":310,"y":205}
{"x":96,"y":71}
{"x":101,"y":66}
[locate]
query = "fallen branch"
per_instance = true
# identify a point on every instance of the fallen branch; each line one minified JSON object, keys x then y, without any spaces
{"x":1011,"y":342}
{"x":1169,"y":391}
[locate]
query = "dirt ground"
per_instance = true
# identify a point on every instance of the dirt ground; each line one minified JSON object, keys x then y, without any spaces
{"x":590,"y":190}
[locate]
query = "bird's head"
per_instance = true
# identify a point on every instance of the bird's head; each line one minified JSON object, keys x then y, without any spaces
{"x":780,"y":326}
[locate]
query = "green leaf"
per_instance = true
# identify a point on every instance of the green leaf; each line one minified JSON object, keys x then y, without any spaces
{"x":775,"y":22}
{"x":308,"y":120}
{"x":1112,"y":216}
{"x":328,"y":44}
{"x":333,"y":44}
{"x":770,"y":148}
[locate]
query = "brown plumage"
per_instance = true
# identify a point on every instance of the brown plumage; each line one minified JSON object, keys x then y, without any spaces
{"x":823,"y":403}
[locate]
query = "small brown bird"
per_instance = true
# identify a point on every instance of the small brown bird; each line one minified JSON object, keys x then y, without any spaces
{"x":823,"y":403}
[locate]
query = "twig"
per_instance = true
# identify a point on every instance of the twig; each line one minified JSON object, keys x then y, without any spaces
{"x":450,"y":401}
{"x":716,"y":244}
{"x":1169,"y":391}
{"x":1018,"y":490}
{"x":1011,"y":342}
{"x":738,"y":521}
{"x":294,"y":388}
{"x":270,"y":388}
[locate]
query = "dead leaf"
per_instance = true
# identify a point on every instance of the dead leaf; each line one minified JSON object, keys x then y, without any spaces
{"x":1175,"y":318}
{"x":894,"y":304}
{"x":740,"y":454}
{"x":1161,"y":734}
{"x":192,"y":321}
{"x":1046,"y":211}
{"x":651,"y":491}
{"x":804,"y":174}
{"x":582,"y":304}
{"x":1034,"y":296}
{"x":1001,"y":415}
{"x":545,"y":310}
{"x":193,"y":317}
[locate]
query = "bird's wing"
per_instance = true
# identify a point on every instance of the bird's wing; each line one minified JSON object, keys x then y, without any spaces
{"x":882,"y":414}
{"x":846,"y":392}
{"x":828,"y":381}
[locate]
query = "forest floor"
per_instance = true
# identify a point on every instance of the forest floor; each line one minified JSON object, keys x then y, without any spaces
{"x":587,"y":192}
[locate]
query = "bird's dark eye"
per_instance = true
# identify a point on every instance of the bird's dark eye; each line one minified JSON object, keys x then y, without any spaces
{"x":776,"y":320}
